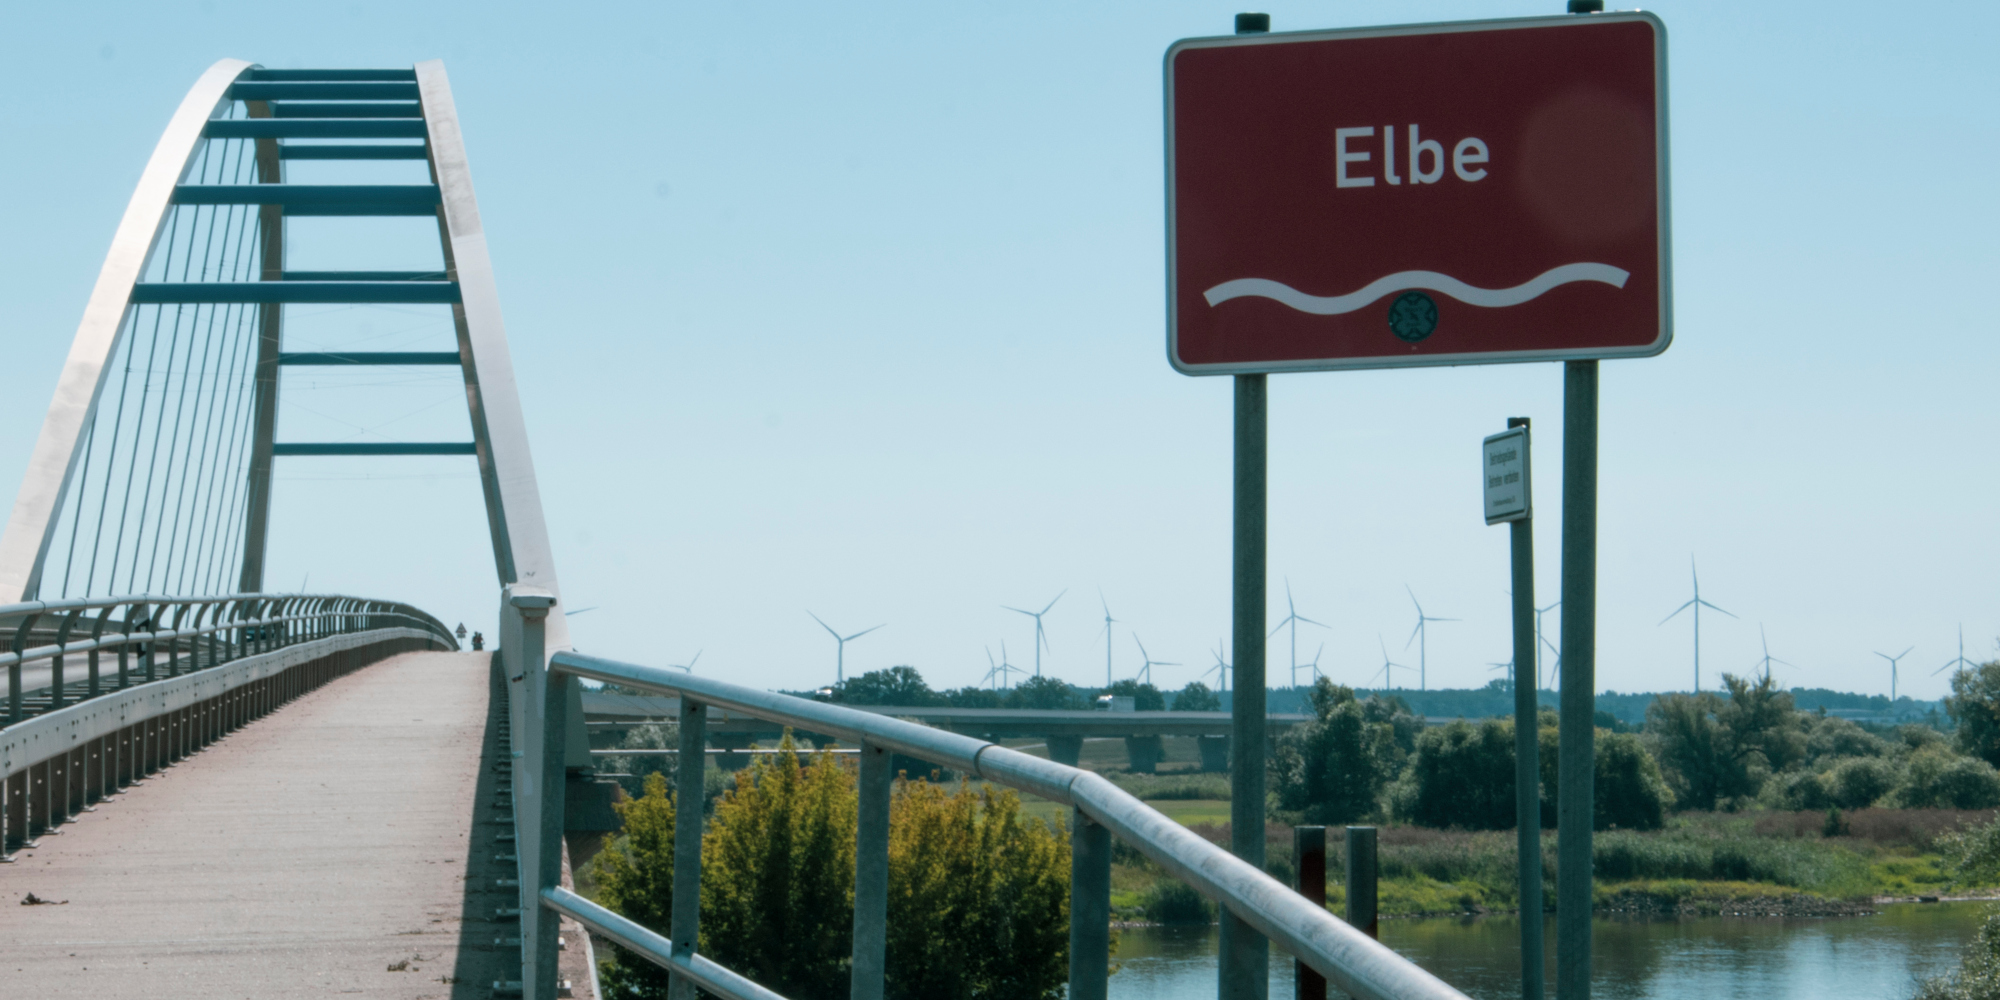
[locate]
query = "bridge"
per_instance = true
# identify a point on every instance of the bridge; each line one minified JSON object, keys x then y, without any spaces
{"x":209,"y":787}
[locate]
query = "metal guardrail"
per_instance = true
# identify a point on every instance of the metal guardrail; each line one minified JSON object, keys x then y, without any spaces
{"x":1349,"y":959}
{"x":234,"y":625}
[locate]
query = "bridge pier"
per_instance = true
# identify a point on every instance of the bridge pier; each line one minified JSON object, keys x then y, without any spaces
{"x":1143,"y":753}
{"x":1214,"y":753}
{"x":1065,"y":749}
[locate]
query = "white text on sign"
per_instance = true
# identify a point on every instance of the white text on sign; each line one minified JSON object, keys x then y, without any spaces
{"x":1349,"y":161}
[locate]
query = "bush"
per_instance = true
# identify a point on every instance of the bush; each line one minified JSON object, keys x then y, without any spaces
{"x":1334,"y":768}
{"x":1858,"y":781}
{"x":978,"y":899}
{"x":1629,"y":792}
{"x":1803,"y":790}
{"x":1935,"y":778}
{"x":1974,"y":704}
{"x":777,"y":875}
{"x":1462,"y":776}
{"x":1173,"y":902}
{"x":635,"y":877}
{"x":639,"y":766}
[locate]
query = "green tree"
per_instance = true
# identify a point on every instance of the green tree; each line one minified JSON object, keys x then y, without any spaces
{"x":1974,"y":704}
{"x":635,"y":877}
{"x":1043,"y":693}
{"x":1717,"y":752}
{"x":1629,"y":792}
{"x":894,"y":686}
{"x":1196,"y":697}
{"x":978,"y":898}
{"x":973,"y":697}
{"x":1334,"y":768}
{"x":1461,"y":776}
{"x":1627,"y":789}
{"x":777,"y":875}
{"x":1145,"y":697}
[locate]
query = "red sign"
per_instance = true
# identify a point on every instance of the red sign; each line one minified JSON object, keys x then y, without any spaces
{"x":1428,"y":195}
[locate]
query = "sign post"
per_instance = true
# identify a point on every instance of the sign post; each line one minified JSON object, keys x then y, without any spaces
{"x":1434,"y":194}
{"x":1510,"y":500}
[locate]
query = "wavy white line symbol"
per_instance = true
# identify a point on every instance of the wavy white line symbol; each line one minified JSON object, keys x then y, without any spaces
{"x":1491,"y":298}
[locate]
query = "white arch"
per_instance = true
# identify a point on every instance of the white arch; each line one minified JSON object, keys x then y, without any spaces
{"x":24,"y":544}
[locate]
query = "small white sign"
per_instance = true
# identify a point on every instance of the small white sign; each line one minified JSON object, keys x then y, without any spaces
{"x":1505,"y":463}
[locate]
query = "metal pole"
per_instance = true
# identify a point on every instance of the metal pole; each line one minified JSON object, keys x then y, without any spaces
{"x":555,"y":718}
{"x":685,"y":924}
{"x":1244,"y":966}
{"x":871,"y":875}
{"x":1576,"y":770}
{"x":1309,"y":861}
{"x":1089,"y":908}
{"x":541,"y":792}
{"x":1361,"y":874}
{"x":1527,"y":753}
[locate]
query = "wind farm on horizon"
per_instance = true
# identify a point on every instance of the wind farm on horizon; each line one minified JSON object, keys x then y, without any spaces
{"x":1406,"y":668}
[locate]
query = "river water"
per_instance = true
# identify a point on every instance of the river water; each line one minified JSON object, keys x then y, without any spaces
{"x":1878,"y":957}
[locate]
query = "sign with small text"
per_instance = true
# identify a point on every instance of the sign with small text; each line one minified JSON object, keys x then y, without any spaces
{"x":1505,"y":462}
{"x":1433,"y":194}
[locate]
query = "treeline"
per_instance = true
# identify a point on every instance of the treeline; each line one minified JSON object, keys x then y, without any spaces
{"x":1371,"y":758}
{"x":905,"y":686}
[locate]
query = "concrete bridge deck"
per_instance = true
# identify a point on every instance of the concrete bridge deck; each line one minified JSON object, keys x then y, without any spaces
{"x":305,"y":855}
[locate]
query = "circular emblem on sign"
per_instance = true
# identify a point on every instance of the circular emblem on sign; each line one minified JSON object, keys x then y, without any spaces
{"x":1412,"y":316}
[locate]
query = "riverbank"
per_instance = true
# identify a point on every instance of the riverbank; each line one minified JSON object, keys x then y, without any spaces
{"x":1768,"y":864}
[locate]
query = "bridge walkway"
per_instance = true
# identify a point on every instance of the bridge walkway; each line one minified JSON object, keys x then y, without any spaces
{"x":344,"y":844}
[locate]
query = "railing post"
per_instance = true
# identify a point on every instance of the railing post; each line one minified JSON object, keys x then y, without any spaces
{"x":541,"y":859}
{"x":1089,"y":908}
{"x":685,"y":926}
{"x":1309,"y":864}
{"x":1361,"y":872}
{"x":871,"y":875}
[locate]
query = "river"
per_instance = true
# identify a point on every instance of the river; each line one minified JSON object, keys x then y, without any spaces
{"x":1878,"y":957}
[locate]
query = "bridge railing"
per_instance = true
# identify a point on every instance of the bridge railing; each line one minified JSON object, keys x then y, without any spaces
{"x":181,"y":634}
{"x":1349,"y":959}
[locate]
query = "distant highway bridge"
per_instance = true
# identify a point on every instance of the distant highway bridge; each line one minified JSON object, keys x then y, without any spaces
{"x":208,"y":788}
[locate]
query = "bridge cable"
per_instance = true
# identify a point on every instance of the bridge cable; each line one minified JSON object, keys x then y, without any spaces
{"x":212,"y":399}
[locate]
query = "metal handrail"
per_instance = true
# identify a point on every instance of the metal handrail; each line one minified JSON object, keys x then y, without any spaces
{"x":223,"y":613}
{"x":1348,"y":958}
{"x":697,"y":968}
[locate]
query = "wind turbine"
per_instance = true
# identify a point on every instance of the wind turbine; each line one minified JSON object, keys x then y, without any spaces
{"x":1220,"y":670}
{"x":1147,"y":670}
{"x":1316,"y":674}
{"x":994,"y":672}
{"x":1540,"y":641}
{"x":689,"y":665}
{"x":1108,"y":621}
{"x":1768,"y":658}
{"x":1697,"y":604}
{"x":1507,"y":666}
{"x":1041,"y":638}
{"x":1384,"y":673}
{"x":1959,"y":661}
{"x":1892,"y":671}
{"x":840,"y":653}
{"x":1421,"y":636}
{"x":1293,"y":618}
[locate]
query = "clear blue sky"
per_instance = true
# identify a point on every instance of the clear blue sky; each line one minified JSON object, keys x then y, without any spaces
{"x":857,"y":309}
